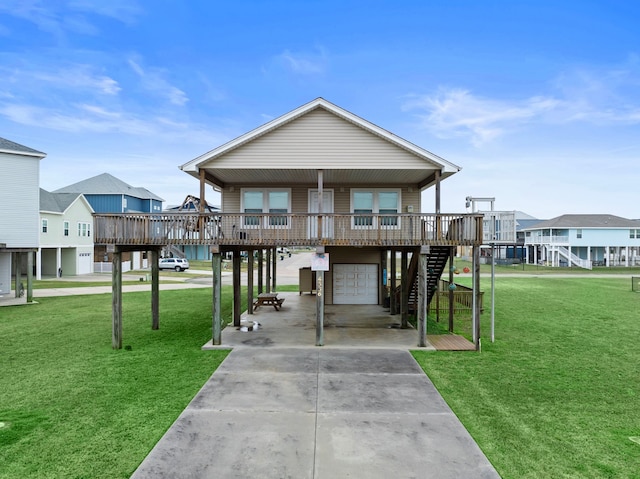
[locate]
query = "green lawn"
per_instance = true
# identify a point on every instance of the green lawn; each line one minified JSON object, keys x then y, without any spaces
{"x":72,"y":407}
{"x":558,"y":394}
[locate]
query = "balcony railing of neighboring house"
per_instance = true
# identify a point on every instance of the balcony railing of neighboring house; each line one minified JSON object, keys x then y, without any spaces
{"x":255,"y":229}
{"x":546,"y":240}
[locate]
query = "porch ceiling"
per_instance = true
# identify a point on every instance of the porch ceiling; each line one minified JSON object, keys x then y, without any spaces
{"x":224,"y":176}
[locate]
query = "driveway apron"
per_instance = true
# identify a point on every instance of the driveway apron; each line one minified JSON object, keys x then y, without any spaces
{"x":317,"y":413}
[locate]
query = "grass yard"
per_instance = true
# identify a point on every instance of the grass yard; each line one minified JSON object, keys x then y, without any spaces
{"x":558,"y":394}
{"x":72,"y":407}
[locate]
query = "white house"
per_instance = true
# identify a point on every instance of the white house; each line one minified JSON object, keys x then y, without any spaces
{"x":19,"y":209}
{"x":584,"y":241}
{"x":66,"y":235}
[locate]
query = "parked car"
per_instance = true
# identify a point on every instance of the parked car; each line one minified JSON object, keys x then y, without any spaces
{"x":178,"y":264}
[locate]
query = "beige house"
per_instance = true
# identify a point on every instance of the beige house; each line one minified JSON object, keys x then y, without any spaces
{"x":66,"y":235}
{"x":322,"y":177}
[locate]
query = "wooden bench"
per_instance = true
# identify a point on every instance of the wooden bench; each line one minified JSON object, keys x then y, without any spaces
{"x":268,"y":299}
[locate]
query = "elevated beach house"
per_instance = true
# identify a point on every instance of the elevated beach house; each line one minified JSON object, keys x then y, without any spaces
{"x":320,"y":177}
{"x":19,"y":213}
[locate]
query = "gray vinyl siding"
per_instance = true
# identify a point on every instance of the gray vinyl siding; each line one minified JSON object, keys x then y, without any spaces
{"x":319,"y":139}
{"x":19,"y":201}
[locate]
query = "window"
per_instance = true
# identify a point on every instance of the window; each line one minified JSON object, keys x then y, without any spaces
{"x":386,"y":202}
{"x":579,"y":234}
{"x":266,"y":201}
{"x":634,"y":234}
{"x":65,"y":227}
{"x":45,"y":225}
{"x":363,"y":203}
{"x":252,"y":204}
{"x":84,"y":229}
{"x":278,"y":203}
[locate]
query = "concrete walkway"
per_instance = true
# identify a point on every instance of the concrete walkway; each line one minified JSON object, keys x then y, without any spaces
{"x":317,"y":413}
{"x":280,"y":407}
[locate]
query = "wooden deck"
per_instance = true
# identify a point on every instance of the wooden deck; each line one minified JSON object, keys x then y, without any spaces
{"x":450,"y":342}
{"x":257,"y":230}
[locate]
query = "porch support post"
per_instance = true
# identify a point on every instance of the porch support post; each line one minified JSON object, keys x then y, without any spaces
{"x":476,"y":297}
{"x":155,"y":290}
{"x":320,"y":303}
{"x":320,"y":202}
{"x":260,"y":270}
{"x":249,"y":282}
{"x":237,"y":309}
{"x":274,"y":260}
{"x":59,"y":262}
{"x":393,"y":307}
{"x":422,"y":296}
{"x":404,"y":291}
{"x":384,"y":280}
{"x":30,"y":277}
{"x":451,"y":293}
{"x":268,"y":271}
{"x":202,"y":185}
{"x":116,"y":300}
{"x":18,"y":261}
{"x":39,"y":264}
{"x":216,"y":306}
{"x":437,"y":175}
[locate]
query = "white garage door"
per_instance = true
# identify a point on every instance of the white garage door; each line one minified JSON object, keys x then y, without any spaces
{"x":85,"y":264}
{"x":355,"y":284}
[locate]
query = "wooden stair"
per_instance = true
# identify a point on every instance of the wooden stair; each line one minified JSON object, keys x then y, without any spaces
{"x":436,"y":262}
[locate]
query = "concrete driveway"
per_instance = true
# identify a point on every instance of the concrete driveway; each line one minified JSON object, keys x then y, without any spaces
{"x":281,"y":407}
{"x":317,"y":413}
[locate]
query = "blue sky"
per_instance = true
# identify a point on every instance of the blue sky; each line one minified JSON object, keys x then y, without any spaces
{"x":538,"y":101}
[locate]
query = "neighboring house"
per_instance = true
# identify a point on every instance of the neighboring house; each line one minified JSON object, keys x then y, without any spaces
{"x":584,"y":241}
{"x":321,"y":177}
{"x":108,"y":194}
{"x":190,"y":251}
{"x":19,"y":210}
{"x":66,"y":235}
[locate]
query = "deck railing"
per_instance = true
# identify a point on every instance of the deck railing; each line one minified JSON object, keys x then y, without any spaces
{"x":255,"y":229}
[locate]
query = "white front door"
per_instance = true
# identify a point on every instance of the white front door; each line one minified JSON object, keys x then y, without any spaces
{"x":327,"y":207}
{"x":355,"y":284}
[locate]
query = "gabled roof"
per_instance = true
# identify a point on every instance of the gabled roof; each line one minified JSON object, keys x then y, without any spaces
{"x":59,"y":202}
{"x":431,"y":161}
{"x":106,"y":184}
{"x":7,"y":146}
{"x":585,"y":221}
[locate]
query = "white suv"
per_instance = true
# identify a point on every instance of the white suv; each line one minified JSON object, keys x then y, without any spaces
{"x":178,"y":264}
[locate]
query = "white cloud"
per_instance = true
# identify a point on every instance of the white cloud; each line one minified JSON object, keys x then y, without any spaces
{"x":305,"y":63}
{"x":598,"y":97}
{"x":80,"y":77}
{"x":153,"y":80}
{"x":451,"y":113}
{"x":125,"y":11}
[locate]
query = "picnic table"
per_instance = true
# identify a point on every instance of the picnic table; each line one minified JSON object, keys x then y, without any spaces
{"x":268,"y":299}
